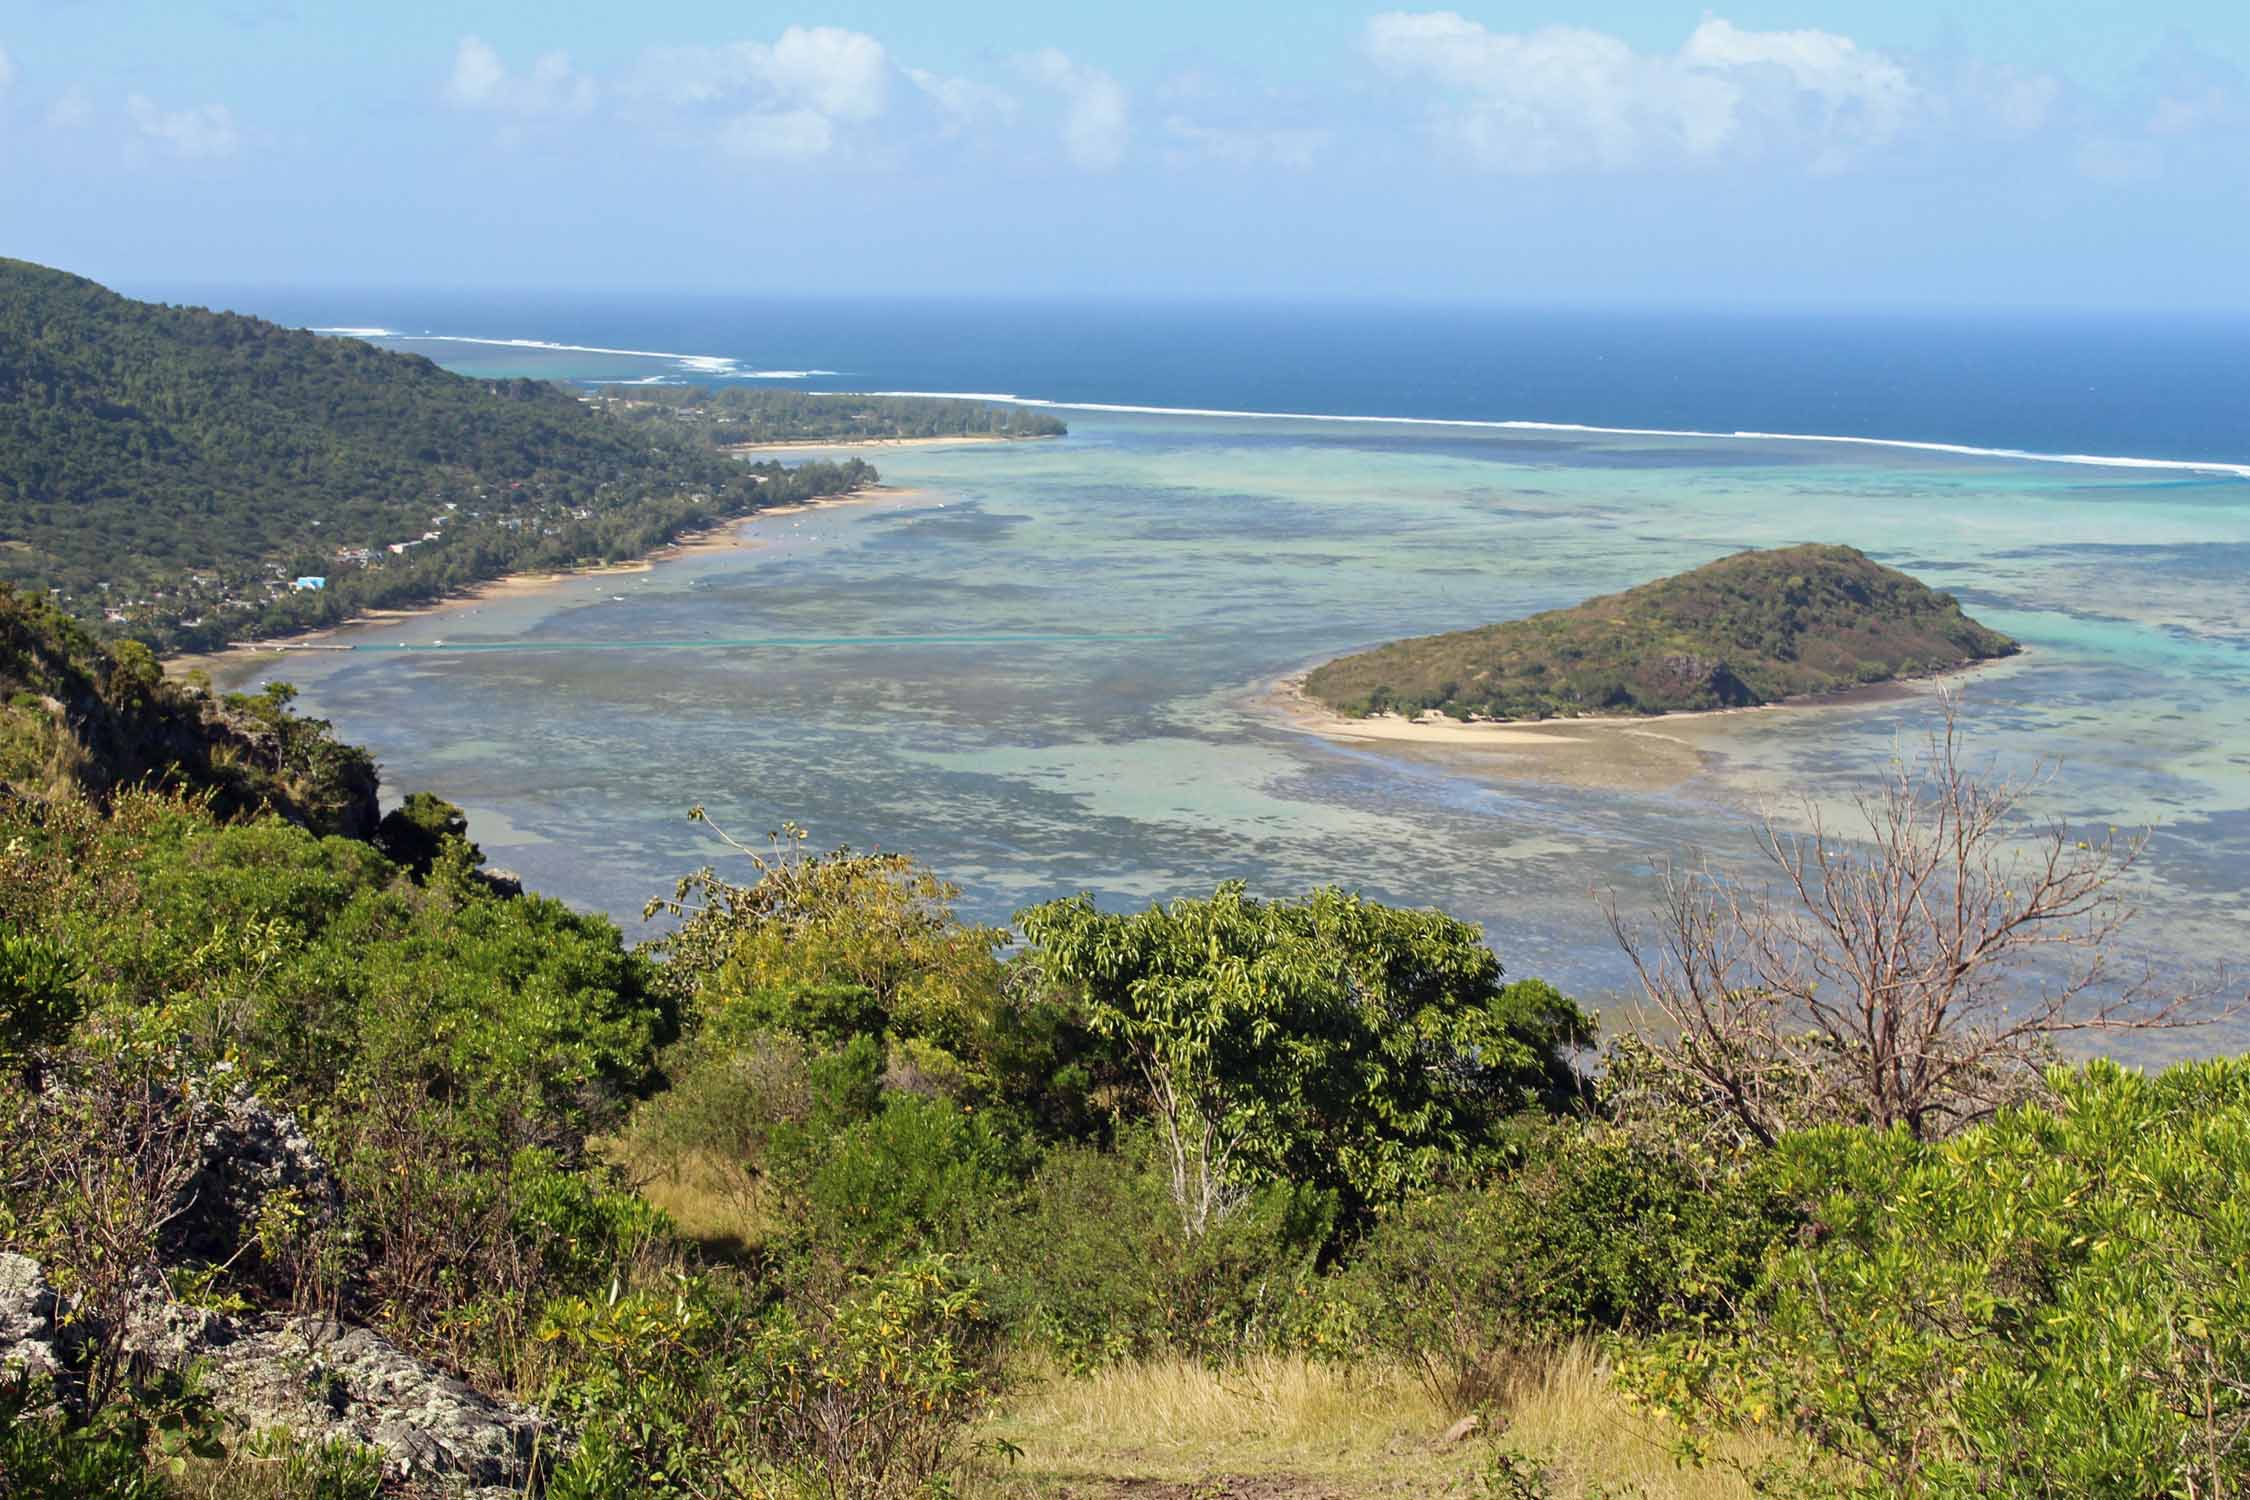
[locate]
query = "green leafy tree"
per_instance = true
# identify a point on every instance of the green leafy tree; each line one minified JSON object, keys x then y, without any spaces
{"x":1329,"y":1041}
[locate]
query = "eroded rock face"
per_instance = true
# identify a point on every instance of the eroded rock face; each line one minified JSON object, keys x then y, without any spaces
{"x":324,"y":1381}
{"x":252,"y":1159}
{"x":27,"y":1318}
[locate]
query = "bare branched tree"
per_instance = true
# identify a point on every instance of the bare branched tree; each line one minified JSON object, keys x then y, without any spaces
{"x":1919,"y":971}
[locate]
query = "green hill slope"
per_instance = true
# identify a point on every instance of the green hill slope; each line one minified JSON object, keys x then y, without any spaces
{"x":170,"y":472}
{"x":81,"y":718}
{"x":1753,"y":628}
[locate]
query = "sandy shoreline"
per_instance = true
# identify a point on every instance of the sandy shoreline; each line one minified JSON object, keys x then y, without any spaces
{"x":1612,"y":752}
{"x":726,"y":536}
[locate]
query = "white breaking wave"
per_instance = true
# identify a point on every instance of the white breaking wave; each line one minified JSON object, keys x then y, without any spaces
{"x":2095,"y":460}
{"x":725,"y":366}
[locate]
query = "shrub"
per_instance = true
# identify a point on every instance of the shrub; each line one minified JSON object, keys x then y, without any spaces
{"x":45,"y":1455}
{"x":915,"y":1173}
{"x":695,"y":1391}
{"x":1095,"y":1267}
{"x":728,"y":1094}
{"x":2049,"y":1304}
{"x":1593,"y":1233}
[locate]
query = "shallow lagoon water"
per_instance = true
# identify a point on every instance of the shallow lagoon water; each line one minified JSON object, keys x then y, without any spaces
{"x":1042,"y":673}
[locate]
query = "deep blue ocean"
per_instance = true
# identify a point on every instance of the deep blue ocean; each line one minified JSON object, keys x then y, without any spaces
{"x":2164,"y":387}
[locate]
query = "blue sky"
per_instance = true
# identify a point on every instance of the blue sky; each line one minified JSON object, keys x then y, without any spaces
{"x":1913,"y":152}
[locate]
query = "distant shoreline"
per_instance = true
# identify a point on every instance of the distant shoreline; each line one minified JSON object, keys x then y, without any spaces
{"x":725,"y":536}
{"x":816,"y":445}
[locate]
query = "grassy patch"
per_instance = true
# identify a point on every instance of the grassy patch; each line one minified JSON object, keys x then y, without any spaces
{"x":1290,"y":1428}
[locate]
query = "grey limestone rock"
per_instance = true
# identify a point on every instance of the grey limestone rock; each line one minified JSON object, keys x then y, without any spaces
{"x":324,"y":1381}
{"x":27,"y":1317}
{"x":251,"y":1157}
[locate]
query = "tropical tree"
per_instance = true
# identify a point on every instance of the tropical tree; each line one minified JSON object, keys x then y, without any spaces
{"x":1329,"y":1041}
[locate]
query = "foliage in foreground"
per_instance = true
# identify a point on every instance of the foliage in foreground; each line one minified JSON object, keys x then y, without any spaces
{"x":2055,"y":1303}
{"x":1225,"y":1131}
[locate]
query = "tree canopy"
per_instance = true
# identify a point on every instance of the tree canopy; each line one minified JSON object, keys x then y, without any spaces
{"x":1330,"y":1040}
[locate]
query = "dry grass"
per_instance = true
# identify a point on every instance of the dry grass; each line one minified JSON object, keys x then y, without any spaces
{"x":704,"y":1204}
{"x":1292,"y":1429}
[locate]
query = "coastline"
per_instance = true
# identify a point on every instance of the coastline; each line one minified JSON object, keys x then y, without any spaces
{"x":1614,"y":752}
{"x":726,"y":536}
{"x":831,"y":444}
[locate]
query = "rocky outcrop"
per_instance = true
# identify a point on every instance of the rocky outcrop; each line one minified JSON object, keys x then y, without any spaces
{"x":1695,"y":678}
{"x":27,"y":1318}
{"x":320,"y":1380}
{"x":325,"y":1381}
{"x":253,"y":1159}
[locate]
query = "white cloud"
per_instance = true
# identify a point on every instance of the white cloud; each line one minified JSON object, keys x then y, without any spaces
{"x":193,"y":134}
{"x":73,"y":109}
{"x":1851,"y":81}
{"x":1566,"y":98}
{"x":2185,"y":114}
{"x":481,"y":81}
{"x":1296,"y":150}
{"x":963,"y":103}
{"x":841,"y":74}
{"x":2022,"y":102}
{"x":793,"y":135}
{"x":801,"y":86}
{"x":7,"y":69}
{"x":1096,"y":115}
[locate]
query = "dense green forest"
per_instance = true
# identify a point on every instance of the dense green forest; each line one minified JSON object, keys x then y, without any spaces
{"x":170,"y":472}
{"x":826,"y":1191}
{"x":1753,"y":628}
{"x":733,"y":416}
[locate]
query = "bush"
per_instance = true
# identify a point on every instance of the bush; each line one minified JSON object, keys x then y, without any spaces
{"x":1593,"y":1233}
{"x":44,"y":1455}
{"x":1095,"y":1268}
{"x":695,"y":1391}
{"x":2049,"y":1304}
{"x":912,"y":1175}
{"x":728,"y":1094}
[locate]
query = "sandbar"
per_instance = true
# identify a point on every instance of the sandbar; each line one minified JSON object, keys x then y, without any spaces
{"x":1637,"y":752}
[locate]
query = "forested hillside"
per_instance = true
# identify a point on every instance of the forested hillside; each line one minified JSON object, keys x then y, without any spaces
{"x":733,"y":416}
{"x":1753,"y":628}
{"x":170,"y":473}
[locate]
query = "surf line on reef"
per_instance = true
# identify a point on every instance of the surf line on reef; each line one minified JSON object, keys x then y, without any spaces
{"x":748,"y":642}
{"x":1962,"y":450}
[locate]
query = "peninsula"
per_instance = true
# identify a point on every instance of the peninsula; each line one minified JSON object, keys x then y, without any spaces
{"x":1757,"y":627}
{"x":188,"y":478}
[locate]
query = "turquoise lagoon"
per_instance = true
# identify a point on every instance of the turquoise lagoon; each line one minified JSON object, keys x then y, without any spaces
{"x":1044,"y":671}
